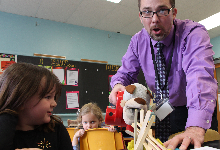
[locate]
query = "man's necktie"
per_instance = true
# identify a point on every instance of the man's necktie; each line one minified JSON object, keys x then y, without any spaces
{"x":162,"y":128}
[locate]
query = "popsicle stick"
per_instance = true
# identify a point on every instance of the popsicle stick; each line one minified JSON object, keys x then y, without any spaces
{"x":148,"y":146}
{"x":141,"y":116}
{"x":152,"y":138}
{"x":151,"y":142}
{"x":156,"y":142}
{"x":143,"y":132}
{"x":135,"y":126}
{"x":132,"y":134}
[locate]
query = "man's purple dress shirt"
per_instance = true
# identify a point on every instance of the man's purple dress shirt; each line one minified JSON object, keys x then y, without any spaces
{"x":191,"y":80}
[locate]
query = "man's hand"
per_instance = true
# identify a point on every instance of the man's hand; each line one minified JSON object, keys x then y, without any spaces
{"x":113,"y":94}
{"x":192,"y":135}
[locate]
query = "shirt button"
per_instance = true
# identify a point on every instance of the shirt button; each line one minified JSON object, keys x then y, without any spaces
{"x":212,"y":101}
{"x":207,"y":121}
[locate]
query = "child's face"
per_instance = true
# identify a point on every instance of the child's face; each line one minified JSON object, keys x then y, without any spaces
{"x":36,"y":111}
{"x":90,"y":121}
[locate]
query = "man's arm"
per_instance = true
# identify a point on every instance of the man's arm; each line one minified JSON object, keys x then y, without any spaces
{"x":201,"y":88}
{"x":127,"y":73}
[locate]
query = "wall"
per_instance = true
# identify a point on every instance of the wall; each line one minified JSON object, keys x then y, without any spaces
{"x":216,"y":46}
{"x":26,"y":35}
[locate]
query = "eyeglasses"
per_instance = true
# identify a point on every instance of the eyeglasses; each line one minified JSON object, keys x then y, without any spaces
{"x":159,"y":13}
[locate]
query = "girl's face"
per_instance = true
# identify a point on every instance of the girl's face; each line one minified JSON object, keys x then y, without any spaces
{"x":36,"y":111}
{"x":90,"y":121}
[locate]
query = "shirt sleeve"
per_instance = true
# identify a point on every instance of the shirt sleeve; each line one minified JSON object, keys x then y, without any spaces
{"x":8,"y":124}
{"x":198,"y":65}
{"x":76,"y":147}
{"x":128,"y":72}
{"x":65,"y":141}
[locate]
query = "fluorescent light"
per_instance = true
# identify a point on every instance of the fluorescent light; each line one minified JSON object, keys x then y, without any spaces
{"x":211,"y":22}
{"x":114,"y":1}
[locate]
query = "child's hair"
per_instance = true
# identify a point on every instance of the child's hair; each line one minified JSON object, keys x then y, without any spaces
{"x":90,"y":108}
{"x":20,"y":81}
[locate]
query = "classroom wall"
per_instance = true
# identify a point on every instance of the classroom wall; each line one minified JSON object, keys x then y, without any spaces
{"x":27,"y":35}
{"x":24,"y":35}
{"x":216,"y":46}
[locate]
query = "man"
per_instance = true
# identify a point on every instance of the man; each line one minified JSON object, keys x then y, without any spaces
{"x":191,"y":82}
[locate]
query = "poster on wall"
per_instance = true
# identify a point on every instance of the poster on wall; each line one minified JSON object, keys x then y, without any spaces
{"x":6,"y":60}
{"x":60,"y":73}
{"x":72,"y":99}
{"x":72,"y":75}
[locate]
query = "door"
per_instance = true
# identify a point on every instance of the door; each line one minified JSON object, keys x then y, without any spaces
{"x":217,"y":77}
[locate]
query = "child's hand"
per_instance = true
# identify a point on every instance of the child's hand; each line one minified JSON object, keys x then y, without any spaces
{"x":112,"y":129}
{"x":78,"y":134}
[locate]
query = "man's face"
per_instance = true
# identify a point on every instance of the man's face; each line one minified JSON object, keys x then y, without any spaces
{"x":157,"y":27}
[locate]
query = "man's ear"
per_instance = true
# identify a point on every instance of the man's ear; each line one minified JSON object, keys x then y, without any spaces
{"x":174,"y":13}
{"x":140,"y":17}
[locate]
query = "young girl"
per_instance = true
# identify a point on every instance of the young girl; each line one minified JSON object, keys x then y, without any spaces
{"x":91,"y":117}
{"x":28,"y":95}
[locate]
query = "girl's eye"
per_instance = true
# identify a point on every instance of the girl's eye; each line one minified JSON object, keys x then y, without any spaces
{"x":48,"y":97}
{"x":93,"y":122}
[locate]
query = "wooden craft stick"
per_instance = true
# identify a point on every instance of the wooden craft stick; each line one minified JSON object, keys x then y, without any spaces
{"x":140,"y":138}
{"x":156,"y":142}
{"x":144,"y":131}
{"x":141,"y":116}
{"x":145,"y":143}
{"x":148,"y":146}
{"x":153,"y":144}
{"x":135,"y":126}
{"x":129,"y":132}
{"x":150,"y":142}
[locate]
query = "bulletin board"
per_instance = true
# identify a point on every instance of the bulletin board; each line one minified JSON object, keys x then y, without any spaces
{"x":83,"y":82}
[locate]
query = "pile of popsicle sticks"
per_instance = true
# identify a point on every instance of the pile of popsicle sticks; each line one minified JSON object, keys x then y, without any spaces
{"x":143,"y":133}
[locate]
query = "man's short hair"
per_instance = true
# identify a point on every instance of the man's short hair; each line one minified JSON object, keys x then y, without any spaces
{"x":172,"y":2}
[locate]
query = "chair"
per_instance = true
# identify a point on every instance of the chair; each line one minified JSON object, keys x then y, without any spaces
{"x":72,"y":123}
{"x":101,"y":138}
{"x":71,"y":132}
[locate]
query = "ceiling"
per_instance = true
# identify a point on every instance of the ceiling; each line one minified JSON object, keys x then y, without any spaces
{"x":101,"y":14}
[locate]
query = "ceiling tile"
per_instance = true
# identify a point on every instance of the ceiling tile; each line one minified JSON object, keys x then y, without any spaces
{"x":119,"y":18}
{"x":105,"y":15}
{"x":20,"y":7}
{"x":89,"y":13}
{"x":132,"y":28}
{"x":57,"y":10}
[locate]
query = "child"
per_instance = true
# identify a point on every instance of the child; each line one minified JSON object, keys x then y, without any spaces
{"x":91,"y":117}
{"x":28,"y":95}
